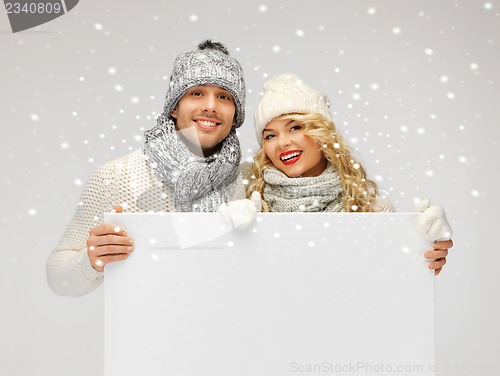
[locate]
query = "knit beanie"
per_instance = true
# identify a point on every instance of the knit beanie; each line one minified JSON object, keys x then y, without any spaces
{"x":287,"y":94}
{"x":210,"y":64}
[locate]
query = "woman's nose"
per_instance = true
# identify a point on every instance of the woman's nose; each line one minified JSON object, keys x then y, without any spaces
{"x":284,"y":141}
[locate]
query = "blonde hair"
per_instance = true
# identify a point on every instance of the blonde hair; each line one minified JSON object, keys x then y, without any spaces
{"x":359,"y":193}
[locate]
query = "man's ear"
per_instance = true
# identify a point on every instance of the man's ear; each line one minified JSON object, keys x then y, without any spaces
{"x":174,"y":113}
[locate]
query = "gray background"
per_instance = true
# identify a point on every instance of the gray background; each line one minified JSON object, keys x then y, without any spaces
{"x":413,"y":86}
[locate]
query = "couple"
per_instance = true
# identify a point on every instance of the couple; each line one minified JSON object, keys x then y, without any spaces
{"x":190,"y":162}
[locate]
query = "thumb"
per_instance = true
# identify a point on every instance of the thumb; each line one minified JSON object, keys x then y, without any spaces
{"x":118,"y":209}
{"x":240,"y":214}
{"x":423,"y":205}
{"x":434,"y":225}
{"x":257,"y":201}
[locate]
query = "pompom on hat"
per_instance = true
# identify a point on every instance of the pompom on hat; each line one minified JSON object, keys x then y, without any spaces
{"x":287,"y":94}
{"x":210,"y":64}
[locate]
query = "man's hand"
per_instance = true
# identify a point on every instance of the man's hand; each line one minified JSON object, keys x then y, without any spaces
{"x":107,"y":243}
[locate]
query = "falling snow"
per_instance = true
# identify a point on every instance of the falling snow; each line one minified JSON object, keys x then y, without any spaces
{"x":108,"y":106}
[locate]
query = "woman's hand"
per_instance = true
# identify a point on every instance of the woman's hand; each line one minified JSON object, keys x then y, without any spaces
{"x":438,"y":255}
{"x":435,"y":228}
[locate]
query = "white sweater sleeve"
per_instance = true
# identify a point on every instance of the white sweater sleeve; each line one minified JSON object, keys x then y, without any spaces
{"x":69,"y":271}
{"x":383,"y":205}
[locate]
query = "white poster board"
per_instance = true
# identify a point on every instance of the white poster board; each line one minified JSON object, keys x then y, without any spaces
{"x":295,"y":293}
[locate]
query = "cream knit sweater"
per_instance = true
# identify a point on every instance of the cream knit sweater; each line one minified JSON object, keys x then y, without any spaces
{"x":126,"y":181}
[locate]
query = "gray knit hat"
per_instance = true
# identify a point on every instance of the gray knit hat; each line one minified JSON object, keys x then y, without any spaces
{"x":287,"y":94}
{"x":210,"y":64}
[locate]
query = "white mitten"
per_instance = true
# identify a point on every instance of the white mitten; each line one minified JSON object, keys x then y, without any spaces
{"x":433,"y":223}
{"x":239,"y":214}
{"x":256,"y":199}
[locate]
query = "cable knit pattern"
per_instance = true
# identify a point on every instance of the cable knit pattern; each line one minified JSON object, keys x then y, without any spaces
{"x":200,"y":184}
{"x":320,"y":193}
{"x":127,"y":181}
{"x":303,"y":194}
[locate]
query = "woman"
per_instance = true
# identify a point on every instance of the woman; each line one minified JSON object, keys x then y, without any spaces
{"x":305,"y":165}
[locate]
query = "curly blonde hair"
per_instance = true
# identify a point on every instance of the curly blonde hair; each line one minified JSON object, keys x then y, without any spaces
{"x":359,"y":193}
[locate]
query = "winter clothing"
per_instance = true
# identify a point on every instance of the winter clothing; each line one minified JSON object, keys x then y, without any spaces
{"x":308,"y":194}
{"x":433,"y":223}
{"x":205,"y":181}
{"x":210,"y":64}
{"x":127,"y":181}
{"x":287,"y":94}
{"x":164,"y":176}
{"x":304,"y":194}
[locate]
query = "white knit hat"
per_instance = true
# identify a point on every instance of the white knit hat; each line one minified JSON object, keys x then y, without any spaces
{"x":287,"y":94}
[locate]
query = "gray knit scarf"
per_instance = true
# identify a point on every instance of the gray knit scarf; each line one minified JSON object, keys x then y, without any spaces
{"x":303,"y":194}
{"x":200,"y":184}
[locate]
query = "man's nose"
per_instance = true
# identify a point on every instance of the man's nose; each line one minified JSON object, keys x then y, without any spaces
{"x":209,"y":103}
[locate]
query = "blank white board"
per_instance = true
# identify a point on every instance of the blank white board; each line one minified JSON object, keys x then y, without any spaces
{"x":293,"y":294}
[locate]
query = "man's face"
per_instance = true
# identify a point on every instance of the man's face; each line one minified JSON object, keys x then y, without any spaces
{"x":210,"y":110}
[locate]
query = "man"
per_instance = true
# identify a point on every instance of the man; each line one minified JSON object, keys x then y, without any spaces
{"x":190,"y":162}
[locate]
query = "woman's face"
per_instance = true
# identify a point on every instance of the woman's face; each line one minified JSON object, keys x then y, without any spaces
{"x":291,"y":150}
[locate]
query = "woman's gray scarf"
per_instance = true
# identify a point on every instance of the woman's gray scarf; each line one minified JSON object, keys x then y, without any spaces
{"x":200,"y":184}
{"x":303,"y":194}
